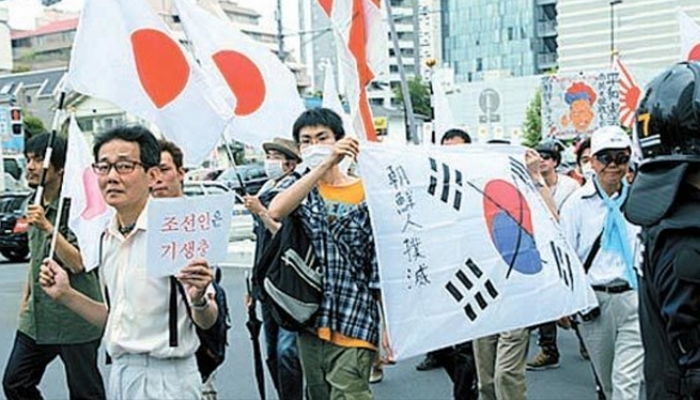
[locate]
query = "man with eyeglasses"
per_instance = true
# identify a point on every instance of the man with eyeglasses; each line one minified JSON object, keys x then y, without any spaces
{"x":147,"y":363}
{"x":47,"y":329}
{"x":603,"y":239}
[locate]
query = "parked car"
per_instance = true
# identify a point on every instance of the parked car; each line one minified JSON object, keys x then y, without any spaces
{"x":14,"y":241}
{"x":241,"y":219}
{"x":252,"y":175}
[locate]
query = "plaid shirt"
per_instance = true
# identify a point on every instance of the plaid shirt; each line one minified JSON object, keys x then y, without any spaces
{"x":345,"y":246}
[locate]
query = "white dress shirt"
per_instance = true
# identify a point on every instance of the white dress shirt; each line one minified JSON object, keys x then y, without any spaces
{"x":582,"y":218}
{"x":564,"y":188}
{"x":139,"y":305}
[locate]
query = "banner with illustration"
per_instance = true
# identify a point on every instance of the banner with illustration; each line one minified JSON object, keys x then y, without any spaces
{"x":576,"y":105}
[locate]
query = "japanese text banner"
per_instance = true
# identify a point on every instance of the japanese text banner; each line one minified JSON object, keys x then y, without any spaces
{"x":185,"y":228}
{"x":466,"y":246}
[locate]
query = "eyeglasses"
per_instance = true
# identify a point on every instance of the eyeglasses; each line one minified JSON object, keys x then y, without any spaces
{"x":122,"y":167}
{"x":617,"y":157}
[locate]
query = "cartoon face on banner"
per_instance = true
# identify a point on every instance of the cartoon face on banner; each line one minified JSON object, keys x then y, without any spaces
{"x":465,"y":244}
{"x":575,"y":106}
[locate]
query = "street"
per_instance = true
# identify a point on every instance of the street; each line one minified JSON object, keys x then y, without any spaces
{"x":235,"y":380}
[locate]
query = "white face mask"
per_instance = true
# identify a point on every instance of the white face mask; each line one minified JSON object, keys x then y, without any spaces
{"x":314,"y":155}
{"x":587,"y":170}
{"x":274,"y":169}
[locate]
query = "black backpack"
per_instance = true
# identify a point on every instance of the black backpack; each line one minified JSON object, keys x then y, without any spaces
{"x":213,"y":341}
{"x":291,"y":276}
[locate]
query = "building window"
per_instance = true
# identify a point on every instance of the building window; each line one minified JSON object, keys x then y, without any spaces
{"x":479,"y":64}
{"x":511,"y":33}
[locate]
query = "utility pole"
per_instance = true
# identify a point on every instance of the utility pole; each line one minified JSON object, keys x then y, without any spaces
{"x":416,"y":38}
{"x":280,"y":34}
{"x":408,"y":106}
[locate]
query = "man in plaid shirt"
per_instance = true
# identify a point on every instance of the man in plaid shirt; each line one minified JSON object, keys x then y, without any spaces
{"x":337,"y":355}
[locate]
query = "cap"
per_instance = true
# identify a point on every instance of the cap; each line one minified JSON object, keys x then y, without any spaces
{"x":609,"y":138}
{"x":284,"y":146}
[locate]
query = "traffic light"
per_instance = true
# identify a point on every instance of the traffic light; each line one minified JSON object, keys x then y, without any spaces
{"x":16,"y":123}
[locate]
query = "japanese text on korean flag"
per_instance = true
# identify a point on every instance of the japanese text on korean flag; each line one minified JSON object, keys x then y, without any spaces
{"x":182,"y":229}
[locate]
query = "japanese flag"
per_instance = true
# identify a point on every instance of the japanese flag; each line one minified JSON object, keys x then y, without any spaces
{"x":361,"y":42}
{"x":331,"y":100}
{"x":260,"y":90}
{"x":124,"y":53}
{"x":89,"y":214}
{"x":690,"y":37}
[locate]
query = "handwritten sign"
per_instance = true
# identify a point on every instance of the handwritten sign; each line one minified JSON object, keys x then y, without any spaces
{"x":185,"y":228}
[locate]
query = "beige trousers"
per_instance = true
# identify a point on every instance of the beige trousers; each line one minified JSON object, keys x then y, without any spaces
{"x":500,"y":365}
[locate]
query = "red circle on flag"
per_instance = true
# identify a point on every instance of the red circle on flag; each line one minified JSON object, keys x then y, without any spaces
{"x":694,"y":54}
{"x":162,"y":67}
{"x":243,"y":78}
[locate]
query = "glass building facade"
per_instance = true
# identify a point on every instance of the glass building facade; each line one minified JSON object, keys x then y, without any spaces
{"x":503,"y":37}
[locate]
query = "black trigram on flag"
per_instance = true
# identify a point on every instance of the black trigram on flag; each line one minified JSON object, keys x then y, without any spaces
{"x":445,"y":185}
{"x":462,"y":281}
{"x":563,"y":265}
{"x":520,"y":172}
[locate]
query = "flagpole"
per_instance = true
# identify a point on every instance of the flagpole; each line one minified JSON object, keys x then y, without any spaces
{"x":49,"y":148}
{"x":232,"y":160}
{"x":408,"y":105}
{"x":57,"y":224}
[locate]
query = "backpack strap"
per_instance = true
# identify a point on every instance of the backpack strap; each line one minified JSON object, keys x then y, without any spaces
{"x":592,"y":253}
{"x":172,"y":317}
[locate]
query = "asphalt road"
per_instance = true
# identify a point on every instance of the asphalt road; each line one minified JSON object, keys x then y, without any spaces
{"x":235,"y":380}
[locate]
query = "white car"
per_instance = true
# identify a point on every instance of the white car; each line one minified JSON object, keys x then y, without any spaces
{"x":241,"y":219}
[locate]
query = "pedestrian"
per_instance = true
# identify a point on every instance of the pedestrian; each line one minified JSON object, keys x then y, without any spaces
{"x":561,"y":187}
{"x":337,"y":354}
{"x":665,"y":200}
{"x":583,"y":171}
{"x":47,"y":329}
{"x":169,"y":182}
{"x":501,"y":358}
{"x":281,"y":160}
{"x":603,"y":239}
{"x":145,"y":363}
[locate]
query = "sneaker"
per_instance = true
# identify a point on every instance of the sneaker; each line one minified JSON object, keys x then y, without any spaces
{"x":543,"y":361}
{"x":428,"y":363}
{"x":377,"y":374}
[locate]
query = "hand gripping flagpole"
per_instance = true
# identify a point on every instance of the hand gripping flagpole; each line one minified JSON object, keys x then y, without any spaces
{"x":38,"y":197}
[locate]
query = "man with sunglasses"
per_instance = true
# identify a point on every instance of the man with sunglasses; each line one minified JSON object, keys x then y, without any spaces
{"x":147,"y":363}
{"x":603,"y":239}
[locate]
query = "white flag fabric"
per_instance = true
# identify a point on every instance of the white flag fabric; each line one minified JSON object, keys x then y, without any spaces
{"x":331,"y":100}
{"x":690,"y":37}
{"x":443,"y":114}
{"x":89,"y":214}
{"x":361,"y":41}
{"x":124,"y":53}
{"x":465,"y":244}
{"x":260,"y":90}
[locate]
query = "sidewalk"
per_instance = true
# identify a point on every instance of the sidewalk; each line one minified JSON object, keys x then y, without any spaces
{"x":240,"y":254}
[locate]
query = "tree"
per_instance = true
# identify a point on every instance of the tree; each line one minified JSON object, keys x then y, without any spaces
{"x":32,"y":126}
{"x":532,"y":127}
{"x":420,"y":96}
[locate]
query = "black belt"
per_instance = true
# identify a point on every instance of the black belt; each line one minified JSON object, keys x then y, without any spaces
{"x":612,"y":289}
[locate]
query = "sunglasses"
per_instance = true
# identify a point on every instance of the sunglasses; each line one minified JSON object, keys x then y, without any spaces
{"x":617,"y":157}
{"x":546,"y":156}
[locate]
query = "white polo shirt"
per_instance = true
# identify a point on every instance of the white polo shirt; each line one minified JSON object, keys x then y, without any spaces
{"x":139,"y":305}
{"x":582,"y":218}
{"x":564,"y":188}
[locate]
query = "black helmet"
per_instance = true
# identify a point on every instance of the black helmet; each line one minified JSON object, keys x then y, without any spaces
{"x":668,"y":117}
{"x":550,"y":147}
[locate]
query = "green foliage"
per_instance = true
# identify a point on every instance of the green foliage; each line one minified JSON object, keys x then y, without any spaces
{"x":532,"y":127}
{"x":32,"y":125}
{"x":420,"y":96}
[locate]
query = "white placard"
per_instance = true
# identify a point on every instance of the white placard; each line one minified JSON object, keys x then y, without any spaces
{"x":184,"y":228}
{"x":465,"y":244}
